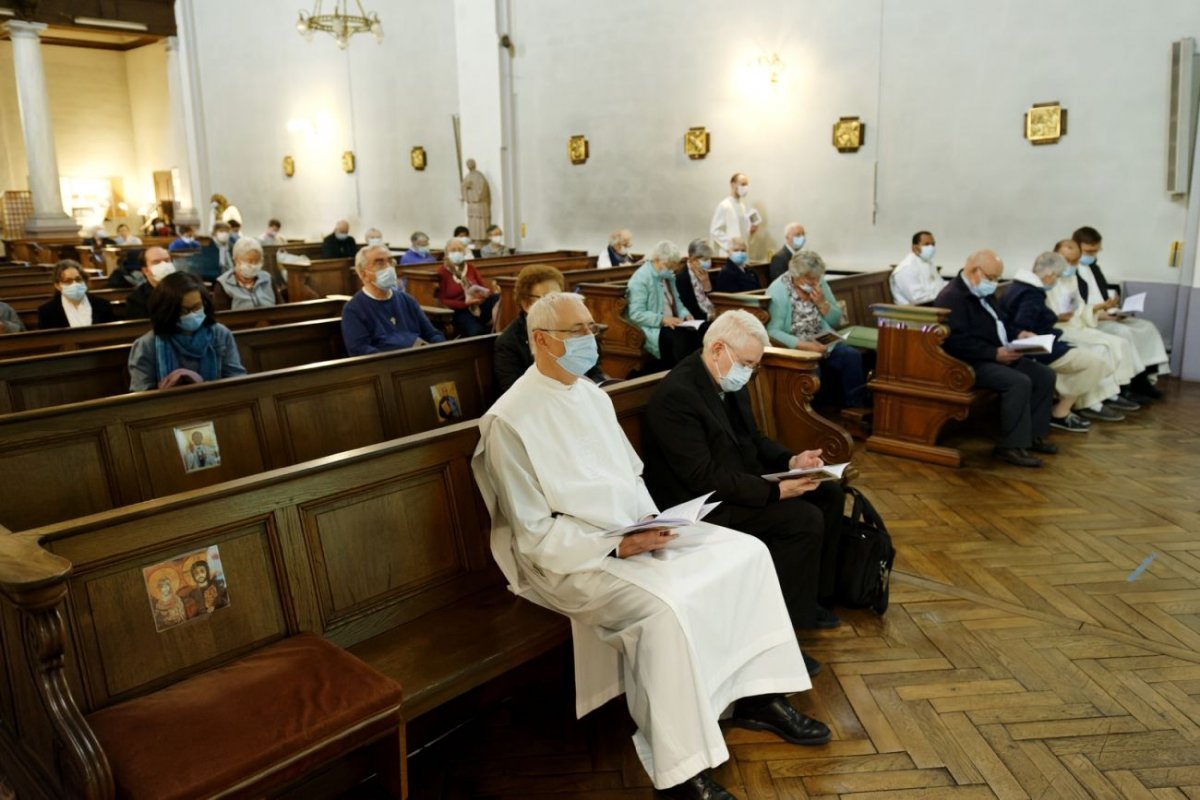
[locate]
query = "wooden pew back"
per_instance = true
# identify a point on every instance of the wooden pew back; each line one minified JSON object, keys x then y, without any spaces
{"x":423,"y":279}
{"x":509,"y":307}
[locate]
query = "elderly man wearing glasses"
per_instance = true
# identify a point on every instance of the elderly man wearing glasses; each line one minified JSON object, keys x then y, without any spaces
{"x":702,"y":438}
{"x":383,"y":316}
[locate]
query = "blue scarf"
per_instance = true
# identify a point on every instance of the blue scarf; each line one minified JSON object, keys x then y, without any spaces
{"x":199,"y":347}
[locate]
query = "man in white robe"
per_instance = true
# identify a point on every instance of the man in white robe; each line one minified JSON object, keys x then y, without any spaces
{"x":683,"y":622}
{"x":915,"y":280}
{"x":730,"y":219}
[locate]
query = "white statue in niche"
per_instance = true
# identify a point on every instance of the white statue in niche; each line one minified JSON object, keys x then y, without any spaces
{"x":478,"y":196}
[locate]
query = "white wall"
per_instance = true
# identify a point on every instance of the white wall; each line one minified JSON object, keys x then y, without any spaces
{"x":146,"y":76}
{"x":942,"y":86}
{"x":266,"y":93}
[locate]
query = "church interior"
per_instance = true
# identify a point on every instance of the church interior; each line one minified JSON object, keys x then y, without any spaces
{"x":533,"y":400}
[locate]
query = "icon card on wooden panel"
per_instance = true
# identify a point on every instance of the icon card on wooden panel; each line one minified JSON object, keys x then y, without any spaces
{"x":198,"y":446}
{"x":187,"y":587}
{"x":445,"y":401}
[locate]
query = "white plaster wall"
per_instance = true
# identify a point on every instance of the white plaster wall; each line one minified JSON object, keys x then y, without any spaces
{"x":146,"y":76}
{"x":259,"y":75}
{"x":478,"y":71}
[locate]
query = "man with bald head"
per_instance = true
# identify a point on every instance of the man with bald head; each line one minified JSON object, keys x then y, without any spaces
{"x":339,"y":244}
{"x":156,"y":265}
{"x":793,"y":242}
{"x":979,"y":335}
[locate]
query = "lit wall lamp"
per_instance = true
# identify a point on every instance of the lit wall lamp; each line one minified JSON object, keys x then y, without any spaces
{"x":772,"y":66}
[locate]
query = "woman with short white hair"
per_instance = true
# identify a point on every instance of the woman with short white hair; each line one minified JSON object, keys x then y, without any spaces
{"x":653,"y":304}
{"x":247,"y":285}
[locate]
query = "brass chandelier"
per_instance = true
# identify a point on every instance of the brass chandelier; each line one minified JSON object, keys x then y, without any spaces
{"x":340,"y":24}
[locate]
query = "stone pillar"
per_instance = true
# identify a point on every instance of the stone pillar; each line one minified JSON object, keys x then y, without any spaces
{"x":185,"y":210}
{"x":48,"y":220}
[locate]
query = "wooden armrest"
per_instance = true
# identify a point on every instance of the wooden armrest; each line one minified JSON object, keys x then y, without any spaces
{"x":27,"y":570}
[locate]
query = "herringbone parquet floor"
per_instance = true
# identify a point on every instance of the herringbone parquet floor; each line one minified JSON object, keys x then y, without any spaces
{"x":1024,"y":656}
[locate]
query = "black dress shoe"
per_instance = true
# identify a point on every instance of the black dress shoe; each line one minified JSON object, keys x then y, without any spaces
{"x":811,"y":664}
{"x":1042,"y":446}
{"x":1146,"y":389}
{"x":1017,"y":456}
{"x":826,"y":619}
{"x":775,"y":714}
{"x":698,"y":787}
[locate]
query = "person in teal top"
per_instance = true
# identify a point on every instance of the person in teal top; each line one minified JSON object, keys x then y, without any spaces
{"x":803,"y":309}
{"x":653,"y":305}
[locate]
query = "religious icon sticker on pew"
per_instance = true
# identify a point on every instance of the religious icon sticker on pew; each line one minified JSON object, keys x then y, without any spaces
{"x":185,"y":588}
{"x":198,"y":446}
{"x":445,"y":401}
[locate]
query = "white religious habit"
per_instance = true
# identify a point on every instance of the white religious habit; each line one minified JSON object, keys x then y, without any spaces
{"x":1081,"y":331}
{"x":729,"y":220}
{"x":1142,"y":334}
{"x":683,"y":632}
{"x":915,"y":281}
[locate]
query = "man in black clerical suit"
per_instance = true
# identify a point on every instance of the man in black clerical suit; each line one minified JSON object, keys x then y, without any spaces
{"x":979,"y":335}
{"x":700,"y":436}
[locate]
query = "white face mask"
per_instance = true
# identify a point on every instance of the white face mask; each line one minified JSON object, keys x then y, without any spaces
{"x":466,"y":240}
{"x":927,"y":252}
{"x":247,"y":271}
{"x":374,"y":240}
{"x":221,"y":237}
{"x":497,"y":240}
{"x":743,"y":190}
{"x":161,"y":270}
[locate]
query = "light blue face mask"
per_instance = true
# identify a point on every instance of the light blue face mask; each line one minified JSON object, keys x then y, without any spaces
{"x":666,"y":274}
{"x":984,"y":288}
{"x":737,"y":377}
{"x":74,"y":291}
{"x":927,"y":252}
{"x":190,"y":323}
{"x":1069,"y":272}
{"x":1087,"y":261}
{"x":798,"y":242}
{"x":738,"y":257}
{"x":385,"y":278}
{"x":705,"y":264}
{"x":421,"y":251}
{"x":581,"y":354}
{"x":457,"y":257}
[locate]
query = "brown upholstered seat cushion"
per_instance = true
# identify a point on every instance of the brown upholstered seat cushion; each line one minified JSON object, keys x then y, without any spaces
{"x":210,"y":732}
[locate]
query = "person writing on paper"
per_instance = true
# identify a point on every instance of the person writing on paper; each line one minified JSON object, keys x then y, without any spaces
{"x":735,"y":276}
{"x":619,"y":251}
{"x":683,"y":635}
{"x":702,"y":437}
{"x":979,"y":335}
{"x":1081,"y":377}
{"x":731,"y":218}
{"x":915,"y":280}
{"x":653,"y":304}
{"x":802,"y":310}
{"x":1080,"y":328}
{"x":382,"y":316}
{"x":1142,"y":334}
{"x":793,"y":242}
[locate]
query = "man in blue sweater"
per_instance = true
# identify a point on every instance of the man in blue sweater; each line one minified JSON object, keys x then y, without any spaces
{"x":382,"y":316}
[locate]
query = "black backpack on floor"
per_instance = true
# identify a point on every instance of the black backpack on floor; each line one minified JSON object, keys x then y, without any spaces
{"x":865,"y":557}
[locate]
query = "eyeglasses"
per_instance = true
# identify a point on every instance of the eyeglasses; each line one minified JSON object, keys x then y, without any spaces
{"x":755,"y":367}
{"x":377,"y":264}
{"x":583,"y":329}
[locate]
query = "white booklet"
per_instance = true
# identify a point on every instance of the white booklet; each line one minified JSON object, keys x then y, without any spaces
{"x":679,"y":516}
{"x":1033,"y":345}
{"x":691,"y":323}
{"x":1134,"y":304}
{"x":828,"y":472}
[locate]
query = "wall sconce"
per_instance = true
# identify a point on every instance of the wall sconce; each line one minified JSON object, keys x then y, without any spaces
{"x":772,"y":66}
{"x":348,"y":161}
{"x":577,"y":149}
{"x":289,"y":166}
{"x":416,"y":157}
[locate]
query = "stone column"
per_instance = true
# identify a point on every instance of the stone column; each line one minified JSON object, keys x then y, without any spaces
{"x":48,"y":220}
{"x":185,"y":205}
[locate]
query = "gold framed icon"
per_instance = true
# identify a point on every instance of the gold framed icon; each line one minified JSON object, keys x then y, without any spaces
{"x":696,"y":142}
{"x":848,"y":134}
{"x":289,"y":166}
{"x":577,"y":149}
{"x":416,"y":157}
{"x":1045,"y":123}
{"x":348,"y":162}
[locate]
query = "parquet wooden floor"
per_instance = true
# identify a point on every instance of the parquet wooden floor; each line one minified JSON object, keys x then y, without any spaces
{"x":1024,"y":656}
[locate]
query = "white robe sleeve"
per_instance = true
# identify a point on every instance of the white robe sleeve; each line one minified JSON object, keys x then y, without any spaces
{"x":560,"y":544}
{"x":719,"y":231}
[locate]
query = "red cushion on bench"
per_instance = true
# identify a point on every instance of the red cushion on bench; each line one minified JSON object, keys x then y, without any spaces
{"x":300,"y":697}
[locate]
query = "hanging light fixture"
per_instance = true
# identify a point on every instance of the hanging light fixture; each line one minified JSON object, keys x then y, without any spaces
{"x":340,"y":23}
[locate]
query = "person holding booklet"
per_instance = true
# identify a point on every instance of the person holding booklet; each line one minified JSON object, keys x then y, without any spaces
{"x":701,"y":437}
{"x":684,"y":636}
{"x":1082,"y":378}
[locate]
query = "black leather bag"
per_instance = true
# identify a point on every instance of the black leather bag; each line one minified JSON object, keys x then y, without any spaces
{"x":865,"y":557}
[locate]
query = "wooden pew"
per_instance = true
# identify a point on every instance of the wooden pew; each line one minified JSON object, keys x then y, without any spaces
{"x":27,"y":307}
{"x":918,"y":387}
{"x":859,"y":291}
{"x":41,"y":251}
{"x":317,"y":547}
{"x":61,"y":340}
{"x":509,"y":308}
{"x":42,"y":381}
{"x":336,"y":276}
{"x":423,"y":279}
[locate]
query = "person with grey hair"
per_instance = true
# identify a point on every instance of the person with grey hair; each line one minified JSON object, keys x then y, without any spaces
{"x":683,"y":636}
{"x":618,"y":251}
{"x":803,"y":314}
{"x":418,"y":251}
{"x":495,"y":243}
{"x":701,"y":437}
{"x":382,"y":316}
{"x":693,"y":282}
{"x":793,"y":242}
{"x":339,"y":244}
{"x":735,"y":276}
{"x":653,"y":304}
{"x":247,"y":285}
{"x":1081,"y":378}
{"x":374,"y":236}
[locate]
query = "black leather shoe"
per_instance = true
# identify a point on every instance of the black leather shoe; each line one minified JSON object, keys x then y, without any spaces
{"x":811,"y":664}
{"x":1146,"y":389}
{"x":698,"y":787}
{"x":826,"y":619}
{"x":1042,"y":446}
{"x":779,"y":717}
{"x":1017,"y":456}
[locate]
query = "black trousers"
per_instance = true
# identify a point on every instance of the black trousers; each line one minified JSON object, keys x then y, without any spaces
{"x":1026,"y":389}
{"x":467,"y":324}
{"x":802,"y":535}
{"x":676,"y":344}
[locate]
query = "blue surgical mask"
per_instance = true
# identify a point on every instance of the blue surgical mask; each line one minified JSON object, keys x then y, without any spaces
{"x":74,"y":291}
{"x":798,"y":242}
{"x":984,"y":288}
{"x":737,"y":377}
{"x":581,"y":354}
{"x":341,"y":237}
{"x":1087,"y":261}
{"x":666,"y":274}
{"x":705,"y":264}
{"x":385,"y":278}
{"x":927,"y":252}
{"x":456,"y":258}
{"x":192,"y":322}
{"x":1069,"y":272}
{"x":421,"y":251}
{"x":738,"y":257}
